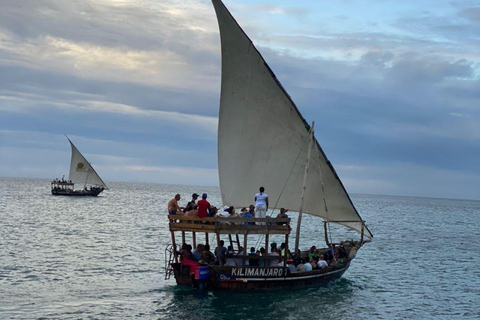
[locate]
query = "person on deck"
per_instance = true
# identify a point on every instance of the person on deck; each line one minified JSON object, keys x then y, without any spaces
{"x":207,"y":257}
{"x":220,"y":252}
{"x":243,"y":211}
{"x":173,"y":207}
{"x":251,"y":210}
{"x":273,"y":252}
{"x":261,"y":262}
{"x":203,"y":206}
{"x":261,"y":204}
{"x":191,"y":203}
{"x":308,"y":266}
{"x":253,"y":262}
{"x":249,"y":215}
{"x":186,"y":258}
{"x":239,"y":261}
{"x":197,"y":253}
{"x":233,"y":213}
{"x":321,"y":263}
{"x":192,"y":213}
{"x":313,"y":253}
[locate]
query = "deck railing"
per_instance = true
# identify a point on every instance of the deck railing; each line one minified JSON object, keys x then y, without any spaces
{"x":220,"y":225}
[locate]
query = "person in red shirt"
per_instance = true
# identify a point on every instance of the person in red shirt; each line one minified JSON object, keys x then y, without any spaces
{"x":203,"y":206}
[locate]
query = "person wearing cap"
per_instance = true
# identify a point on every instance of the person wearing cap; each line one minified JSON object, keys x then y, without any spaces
{"x":261,"y":204}
{"x":225,"y":213}
{"x":203,"y":206}
{"x":191,"y":203}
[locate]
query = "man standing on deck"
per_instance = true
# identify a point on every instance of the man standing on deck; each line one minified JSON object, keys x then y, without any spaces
{"x":261,"y":204}
{"x":203,"y":207}
{"x":173,"y":207}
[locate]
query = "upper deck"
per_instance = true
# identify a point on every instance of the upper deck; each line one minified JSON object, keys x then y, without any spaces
{"x":220,"y":225}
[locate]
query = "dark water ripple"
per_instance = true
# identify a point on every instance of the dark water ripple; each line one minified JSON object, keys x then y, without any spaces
{"x":103,"y":258}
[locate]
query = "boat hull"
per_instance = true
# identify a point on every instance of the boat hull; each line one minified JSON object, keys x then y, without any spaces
{"x":253,"y":278}
{"x":78,"y":193}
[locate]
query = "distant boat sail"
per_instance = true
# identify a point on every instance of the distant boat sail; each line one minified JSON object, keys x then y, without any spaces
{"x":263,"y":140}
{"x":81,"y":173}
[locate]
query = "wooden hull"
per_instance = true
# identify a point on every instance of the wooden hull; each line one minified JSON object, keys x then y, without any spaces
{"x":78,"y":193}
{"x":247,"y":278}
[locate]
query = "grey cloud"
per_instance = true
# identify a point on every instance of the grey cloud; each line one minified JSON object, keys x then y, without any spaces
{"x":471,"y":14}
{"x":415,"y":70}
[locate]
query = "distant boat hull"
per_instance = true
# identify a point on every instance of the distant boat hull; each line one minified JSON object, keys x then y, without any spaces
{"x":78,"y":193}
{"x":247,"y":278}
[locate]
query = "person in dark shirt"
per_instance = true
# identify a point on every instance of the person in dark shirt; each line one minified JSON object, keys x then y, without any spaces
{"x":253,"y":262}
{"x":191,"y":203}
{"x":220,"y":253}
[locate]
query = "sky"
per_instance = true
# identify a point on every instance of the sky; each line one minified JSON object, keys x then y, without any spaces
{"x":393,"y":88}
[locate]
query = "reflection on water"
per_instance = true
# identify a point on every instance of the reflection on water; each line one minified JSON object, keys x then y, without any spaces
{"x":102,"y":258}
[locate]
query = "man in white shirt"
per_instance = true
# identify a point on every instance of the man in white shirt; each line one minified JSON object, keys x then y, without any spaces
{"x":261,"y":204}
{"x":321,"y":262}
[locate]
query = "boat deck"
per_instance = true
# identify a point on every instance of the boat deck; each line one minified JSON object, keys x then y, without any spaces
{"x":220,"y":225}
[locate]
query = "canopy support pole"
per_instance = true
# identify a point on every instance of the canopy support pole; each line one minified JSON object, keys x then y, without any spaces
{"x":326,"y":233}
{"x":299,"y":221}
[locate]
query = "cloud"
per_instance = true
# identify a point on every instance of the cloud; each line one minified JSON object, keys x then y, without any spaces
{"x":471,"y":14}
{"x":137,"y":83}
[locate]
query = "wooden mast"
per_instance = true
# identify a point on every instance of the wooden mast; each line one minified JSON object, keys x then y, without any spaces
{"x":299,"y":221}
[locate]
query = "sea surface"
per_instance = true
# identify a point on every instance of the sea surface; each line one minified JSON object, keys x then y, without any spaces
{"x":103,"y":258}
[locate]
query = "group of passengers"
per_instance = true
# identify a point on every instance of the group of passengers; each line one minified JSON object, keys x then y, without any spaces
{"x":295,"y":263}
{"x":203,"y":208}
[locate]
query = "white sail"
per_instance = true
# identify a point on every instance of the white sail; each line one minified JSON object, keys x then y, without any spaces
{"x":263,"y":139}
{"x":81,"y":171}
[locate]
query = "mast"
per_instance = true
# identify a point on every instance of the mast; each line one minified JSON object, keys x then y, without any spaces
{"x":299,"y":221}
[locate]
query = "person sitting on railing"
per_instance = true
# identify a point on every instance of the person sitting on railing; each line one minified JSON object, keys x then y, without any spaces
{"x":242,"y":212}
{"x":282,"y":214}
{"x":212,"y":212}
{"x":191,"y":203}
{"x":192,"y":213}
{"x":251,"y":210}
{"x":249,"y":215}
{"x":173,"y":207}
{"x":203,"y":206}
{"x":225,"y":213}
{"x":233,"y":213}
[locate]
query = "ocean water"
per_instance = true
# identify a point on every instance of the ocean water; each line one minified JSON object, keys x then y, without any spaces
{"x":103,"y":258}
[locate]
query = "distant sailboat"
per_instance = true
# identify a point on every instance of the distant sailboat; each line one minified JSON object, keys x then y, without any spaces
{"x":81,"y":173}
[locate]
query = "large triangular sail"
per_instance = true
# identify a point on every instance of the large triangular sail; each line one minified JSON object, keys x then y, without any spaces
{"x":81,"y":171}
{"x":263,"y":139}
